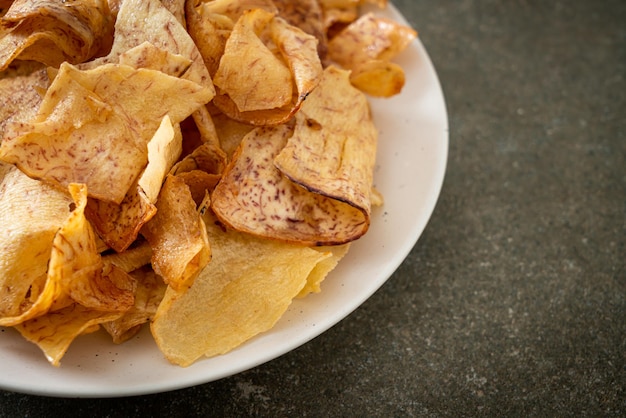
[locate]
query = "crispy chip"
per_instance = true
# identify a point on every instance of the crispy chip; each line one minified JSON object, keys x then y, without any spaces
{"x":369,"y":37}
{"x":323,"y":268}
{"x":132,"y":258}
{"x":180,"y":247}
{"x":378,"y":78}
{"x":54,"y":332}
{"x":51,"y":33}
{"x":31,"y":213}
{"x":308,"y":16}
{"x":333,"y":152}
{"x":148,"y":296}
{"x":140,"y":21}
{"x":98,"y":123}
{"x":296,"y":63}
{"x":245,"y":289}
{"x":20,"y":96}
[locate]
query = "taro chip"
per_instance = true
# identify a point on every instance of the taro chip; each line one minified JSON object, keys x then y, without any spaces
{"x":290,"y":71}
{"x":306,"y":15}
{"x":132,"y":258}
{"x":31,"y":213}
{"x":99,"y":122}
{"x":242,"y":292}
{"x":148,"y":296}
{"x":246,"y":61}
{"x":369,"y":37}
{"x":149,"y":56}
{"x":177,"y":235}
{"x":51,"y":32}
{"x":54,"y":332}
{"x":333,"y":152}
{"x":378,"y":78}
{"x":140,"y":21}
{"x":255,"y":197}
{"x":20,"y":97}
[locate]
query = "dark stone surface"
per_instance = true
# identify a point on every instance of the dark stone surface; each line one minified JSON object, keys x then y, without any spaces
{"x":513,"y":302}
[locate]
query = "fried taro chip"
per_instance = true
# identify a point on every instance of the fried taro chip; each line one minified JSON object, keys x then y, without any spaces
{"x":378,"y":78}
{"x":51,"y":32}
{"x":230,"y":132}
{"x":93,"y":126}
{"x":78,"y":267}
{"x":149,"y":56}
{"x":180,"y":248}
{"x":333,"y":152}
{"x":54,"y":332}
{"x":318,"y":191}
{"x":75,"y":271}
{"x":289,"y":72}
{"x":148,"y":296}
{"x":210,"y":23}
{"x":31,"y":213}
{"x":308,"y":16}
{"x":20,"y":92}
{"x":119,"y":224}
{"x":255,"y":197}
{"x":252,"y":76}
{"x":140,"y":21}
{"x":242,"y":292}
{"x":369,"y":38}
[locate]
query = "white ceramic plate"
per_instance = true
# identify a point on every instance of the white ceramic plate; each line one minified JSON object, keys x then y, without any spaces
{"x":410,"y":170}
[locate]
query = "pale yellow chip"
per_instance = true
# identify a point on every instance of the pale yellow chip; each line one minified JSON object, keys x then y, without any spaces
{"x":132,"y":258}
{"x":51,"y":33}
{"x":99,"y":122}
{"x":31,"y":213}
{"x":54,"y":332}
{"x":180,"y":247}
{"x":242,"y":292}
{"x":323,"y":268}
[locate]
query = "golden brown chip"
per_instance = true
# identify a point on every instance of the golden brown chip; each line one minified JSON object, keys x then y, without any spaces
{"x":308,"y":16}
{"x":148,"y":296}
{"x":177,"y":235}
{"x":245,"y":289}
{"x":51,"y":32}
{"x":132,"y":258}
{"x":369,"y":38}
{"x":93,"y":126}
{"x":252,"y":76}
{"x":254,"y":96}
{"x":31,"y":213}
{"x":255,"y":197}
{"x":378,"y":78}
{"x":333,"y":152}
{"x":230,"y":132}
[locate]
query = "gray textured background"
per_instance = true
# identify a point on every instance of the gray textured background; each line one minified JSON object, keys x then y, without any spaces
{"x":513,"y":302}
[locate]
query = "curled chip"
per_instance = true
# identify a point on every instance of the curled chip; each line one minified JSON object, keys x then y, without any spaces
{"x":318,"y":191}
{"x":180,"y":247}
{"x":93,"y":126}
{"x":366,"y":46}
{"x":31,"y":213}
{"x":276,"y":80}
{"x":51,"y":32}
{"x":243,"y":291}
